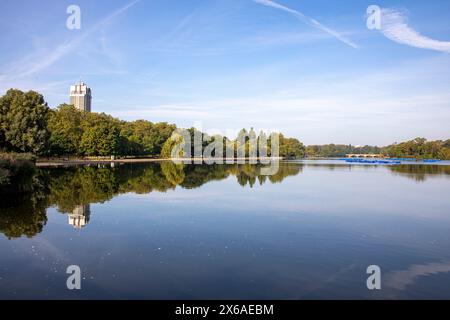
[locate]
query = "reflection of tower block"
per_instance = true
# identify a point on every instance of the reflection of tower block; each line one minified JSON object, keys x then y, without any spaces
{"x":80,"y":216}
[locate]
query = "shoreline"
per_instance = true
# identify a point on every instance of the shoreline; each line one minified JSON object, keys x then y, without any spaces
{"x":62,"y":163}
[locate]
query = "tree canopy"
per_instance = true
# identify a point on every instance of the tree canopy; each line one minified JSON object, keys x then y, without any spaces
{"x":339,"y":150}
{"x":65,"y":127}
{"x":23,"y":122}
{"x":420,"y":148}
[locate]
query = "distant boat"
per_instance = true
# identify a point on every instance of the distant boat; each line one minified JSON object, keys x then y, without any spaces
{"x":402,"y":159}
{"x":371,"y":161}
{"x":431,"y":160}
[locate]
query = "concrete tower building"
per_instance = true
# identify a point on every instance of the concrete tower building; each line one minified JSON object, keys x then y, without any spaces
{"x":80,"y":96}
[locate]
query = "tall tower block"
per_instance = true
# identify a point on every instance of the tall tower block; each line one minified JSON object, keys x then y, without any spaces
{"x":80,"y":96}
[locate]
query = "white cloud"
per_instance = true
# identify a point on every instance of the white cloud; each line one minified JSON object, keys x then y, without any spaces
{"x":309,"y":21}
{"x":395,"y":27}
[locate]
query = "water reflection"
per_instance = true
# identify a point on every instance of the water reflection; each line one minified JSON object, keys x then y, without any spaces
{"x":420,"y":172}
{"x":399,"y":280}
{"x":417,"y":172}
{"x":155,"y":231}
{"x":71,"y":190}
{"x":80,"y":216}
{"x":25,"y":214}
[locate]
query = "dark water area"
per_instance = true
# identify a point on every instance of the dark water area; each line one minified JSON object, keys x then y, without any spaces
{"x":167,"y":231}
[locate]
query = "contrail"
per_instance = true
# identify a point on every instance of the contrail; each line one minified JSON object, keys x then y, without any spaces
{"x":309,"y":21}
{"x":65,"y":48}
{"x":394,"y":26}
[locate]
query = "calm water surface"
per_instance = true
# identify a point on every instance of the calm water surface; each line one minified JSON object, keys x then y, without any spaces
{"x":165,"y":231}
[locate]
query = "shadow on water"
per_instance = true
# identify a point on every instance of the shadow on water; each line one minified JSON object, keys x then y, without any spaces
{"x":72,"y":189}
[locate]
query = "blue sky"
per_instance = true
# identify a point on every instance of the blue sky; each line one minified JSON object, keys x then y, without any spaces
{"x":309,"y":68}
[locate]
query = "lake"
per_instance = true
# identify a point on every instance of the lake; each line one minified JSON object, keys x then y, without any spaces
{"x":166,"y":231}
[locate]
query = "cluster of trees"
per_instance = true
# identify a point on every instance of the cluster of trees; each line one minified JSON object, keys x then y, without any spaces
{"x":339,"y":150}
{"x":73,"y":132}
{"x":247,"y":144}
{"x":420,"y":148}
{"x":27,"y":124}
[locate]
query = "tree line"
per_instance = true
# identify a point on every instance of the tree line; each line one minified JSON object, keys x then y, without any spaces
{"x":339,"y":150}
{"x":247,"y":144}
{"x":27,"y":124}
{"x":418,"y":148}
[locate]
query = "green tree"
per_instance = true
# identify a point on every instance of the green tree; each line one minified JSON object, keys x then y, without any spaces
{"x":175,"y":141}
{"x":23,"y":122}
{"x":241,"y":145}
{"x":420,"y":148}
{"x":291,"y":147}
{"x":144,"y":137}
{"x":65,"y":130}
{"x":101,"y":135}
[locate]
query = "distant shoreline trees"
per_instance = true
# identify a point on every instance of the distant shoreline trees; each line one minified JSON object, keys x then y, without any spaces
{"x":339,"y":150}
{"x":418,"y":148}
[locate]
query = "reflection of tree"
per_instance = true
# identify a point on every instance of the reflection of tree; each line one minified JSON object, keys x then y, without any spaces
{"x":76,"y":187}
{"x":197,"y":175}
{"x":420,"y":172}
{"x":24,"y":214}
{"x":290,"y":169}
{"x":142,"y":178}
{"x":72,"y":187}
{"x":247,"y":174}
{"x":173,"y":172}
{"x":25,"y":219}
